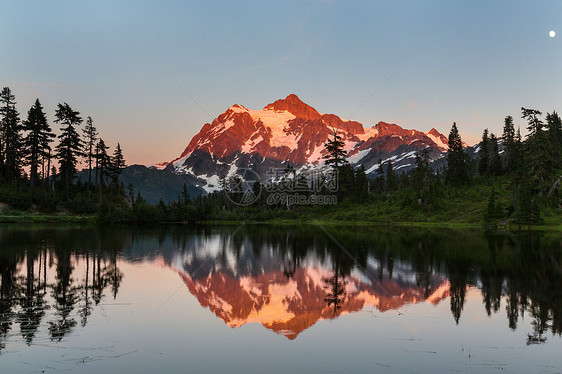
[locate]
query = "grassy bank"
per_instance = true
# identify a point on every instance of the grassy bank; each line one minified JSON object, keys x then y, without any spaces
{"x":429,"y":225}
{"x":27,"y":218}
{"x":454,"y":208}
{"x":45,"y":218}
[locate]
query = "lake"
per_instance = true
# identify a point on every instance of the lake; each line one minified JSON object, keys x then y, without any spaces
{"x":278,"y":299}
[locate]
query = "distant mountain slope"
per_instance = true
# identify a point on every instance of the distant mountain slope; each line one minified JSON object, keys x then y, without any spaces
{"x":159,"y":184}
{"x":155,"y":184}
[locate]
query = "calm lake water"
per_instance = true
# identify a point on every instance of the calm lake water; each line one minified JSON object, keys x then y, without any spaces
{"x":263,"y":299}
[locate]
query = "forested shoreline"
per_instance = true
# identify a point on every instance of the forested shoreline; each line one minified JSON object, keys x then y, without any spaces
{"x":514,"y":180}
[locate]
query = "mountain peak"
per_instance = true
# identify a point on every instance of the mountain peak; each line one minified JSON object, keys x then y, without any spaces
{"x":390,"y":129}
{"x":295,"y":106}
{"x":434,"y":132}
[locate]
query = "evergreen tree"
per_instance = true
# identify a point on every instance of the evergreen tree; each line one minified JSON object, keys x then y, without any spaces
{"x":518,"y":147}
{"x":421,"y":175}
{"x":536,"y":126}
{"x":509,"y":144}
{"x":223,"y":185}
{"x":494,"y":160}
{"x":185,"y":195}
{"x":53,"y":177}
{"x":457,"y":165}
{"x":90,"y":137}
{"x":519,"y":170}
{"x":378,"y":183}
{"x":117,"y":164}
{"x":10,"y":135}
{"x":391,"y":180}
{"x":140,"y":200}
{"x":554,"y":131}
{"x":131,"y":194}
{"x":336,"y":154}
{"x":36,"y":142}
{"x":528,"y":211}
{"x":70,"y":145}
{"x":494,"y":208}
{"x":346,"y":182}
{"x":102,"y":164}
{"x":361,"y":184}
{"x":538,"y":152}
{"x":336,"y":157}
{"x":483,"y":153}
{"x":46,"y":168}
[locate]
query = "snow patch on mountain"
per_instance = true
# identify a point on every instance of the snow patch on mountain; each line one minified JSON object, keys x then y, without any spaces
{"x":276,"y":122}
{"x":212,"y":183}
{"x":250,"y":144}
{"x":369,"y":133}
{"x":316,"y":156}
{"x":437,"y":140}
{"x":358,"y":156}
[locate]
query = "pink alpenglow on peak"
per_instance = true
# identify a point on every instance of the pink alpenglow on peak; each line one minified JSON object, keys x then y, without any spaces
{"x":291,"y":132}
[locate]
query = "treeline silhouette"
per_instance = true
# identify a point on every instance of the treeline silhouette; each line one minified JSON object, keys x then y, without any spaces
{"x":29,"y":179}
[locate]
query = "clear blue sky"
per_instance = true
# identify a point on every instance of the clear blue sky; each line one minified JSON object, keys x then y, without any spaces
{"x":473,"y":62}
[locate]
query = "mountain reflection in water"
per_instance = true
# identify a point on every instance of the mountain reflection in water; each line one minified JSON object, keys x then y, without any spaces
{"x":285,"y":278}
{"x":288,"y":293}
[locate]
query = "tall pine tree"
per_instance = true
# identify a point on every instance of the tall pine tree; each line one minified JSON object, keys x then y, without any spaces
{"x":391,"y":180}
{"x":457,"y":163}
{"x":421,"y":175}
{"x":483,"y":153}
{"x":509,"y":145}
{"x":10,"y":135}
{"x":554,"y":130}
{"x":361,"y":183}
{"x":336,"y":157}
{"x":336,"y":154}
{"x":494,"y":160}
{"x":538,"y":152}
{"x":90,"y":137}
{"x":69,"y":148}
{"x":117,"y":164}
{"x":103,"y":162}
{"x":37,"y":139}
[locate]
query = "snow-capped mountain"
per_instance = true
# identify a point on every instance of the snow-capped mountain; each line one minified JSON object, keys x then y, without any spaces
{"x":288,"y":131}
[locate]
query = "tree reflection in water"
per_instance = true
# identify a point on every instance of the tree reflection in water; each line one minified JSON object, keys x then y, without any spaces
{"x":38,"y":275}
{"x":55,"y":278}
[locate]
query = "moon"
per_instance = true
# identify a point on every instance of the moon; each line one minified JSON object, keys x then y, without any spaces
{"x":552,"y":33}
